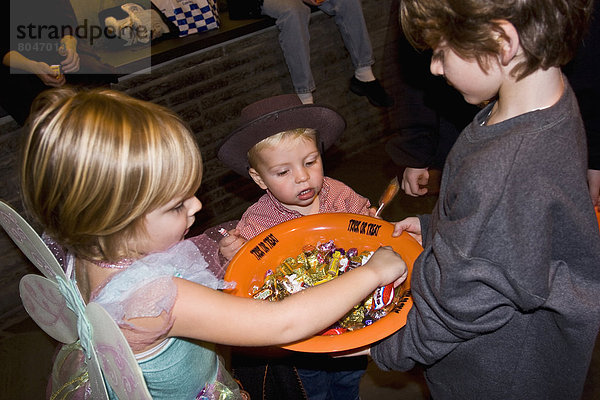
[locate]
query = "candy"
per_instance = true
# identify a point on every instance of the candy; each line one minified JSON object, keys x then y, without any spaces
{"x":288,"y":265}
{"x":309,"y":248}
{"x":333,"y":267}
{"x":320,"y":263}
{"x":326,"y":247}
{"x":343,"y":265}
{"x":352,"y":252}
{"x":263,"y":294}
{"x":382,"y":297}
{"x":334,"y":331}
{"x":292,"y":283}
{"x":354,"y":319}
{"x":302,"y":260}
{"x":56,"y":70}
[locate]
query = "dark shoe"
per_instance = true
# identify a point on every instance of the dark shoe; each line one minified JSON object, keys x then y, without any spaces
{"x":373,"y":90}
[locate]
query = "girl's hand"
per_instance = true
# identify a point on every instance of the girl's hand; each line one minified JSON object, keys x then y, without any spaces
{"x":412,"y":225}
{"x":389,"y":266}
{"x":229,"y":245}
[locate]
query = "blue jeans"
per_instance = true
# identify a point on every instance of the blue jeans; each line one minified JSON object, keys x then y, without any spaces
{"x":293,"y":17}
{"x":335,"y":380}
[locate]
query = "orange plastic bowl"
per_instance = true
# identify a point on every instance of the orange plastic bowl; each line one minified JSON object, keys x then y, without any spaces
{"x":267,"y":250}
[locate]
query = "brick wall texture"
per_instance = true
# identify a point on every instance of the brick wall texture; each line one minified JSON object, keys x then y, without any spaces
{"x":209,"y":88}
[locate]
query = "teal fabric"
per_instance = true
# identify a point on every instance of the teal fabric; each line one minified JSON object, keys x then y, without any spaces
{"x":180,"y":370}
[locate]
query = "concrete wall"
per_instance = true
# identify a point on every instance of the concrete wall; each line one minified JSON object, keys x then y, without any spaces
{"x":209,"y":89}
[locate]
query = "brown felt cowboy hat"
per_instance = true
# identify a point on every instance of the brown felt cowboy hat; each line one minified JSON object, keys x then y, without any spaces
{"x":273,"y":115}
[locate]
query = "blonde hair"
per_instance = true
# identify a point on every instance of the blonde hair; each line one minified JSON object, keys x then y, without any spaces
{"x":96,"y":162}
{"x":307,"y":134}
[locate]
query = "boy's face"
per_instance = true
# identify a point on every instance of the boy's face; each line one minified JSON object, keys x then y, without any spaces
{"x":292,"y":170}
{"x":475,"y":84}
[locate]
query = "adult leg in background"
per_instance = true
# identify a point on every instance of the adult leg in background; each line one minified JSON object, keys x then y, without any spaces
{"x":293,"y":17}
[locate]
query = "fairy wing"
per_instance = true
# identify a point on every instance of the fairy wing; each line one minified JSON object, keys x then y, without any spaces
{"x":29,"y":242}
{"x":41,"y":297}
{"x":51,"y":308}
{"x":116,"y":358}
{"x":46,"y":305}
{"x":109,"y":356}
{"x":55,"y":304}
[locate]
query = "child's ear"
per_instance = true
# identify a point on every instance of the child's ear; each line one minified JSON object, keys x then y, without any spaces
{"x":257,"y":178}
{"x":509,"y":42}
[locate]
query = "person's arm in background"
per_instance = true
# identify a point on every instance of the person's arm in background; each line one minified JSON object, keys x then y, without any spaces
{"x":71,"y":61}
{"x":432,"y":115}
{"x":16,"y":60}
{"x":414,"y":181}
{"x":582,"y":73}
{"x":57,"y":13}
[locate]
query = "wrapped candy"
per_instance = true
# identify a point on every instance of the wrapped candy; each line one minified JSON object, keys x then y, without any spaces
{"x":320,"y":263}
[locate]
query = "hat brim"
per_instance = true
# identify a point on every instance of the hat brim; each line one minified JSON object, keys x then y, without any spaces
{"x":327,"y":122}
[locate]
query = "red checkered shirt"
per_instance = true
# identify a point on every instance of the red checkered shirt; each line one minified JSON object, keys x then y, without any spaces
{"x":267,"y":212}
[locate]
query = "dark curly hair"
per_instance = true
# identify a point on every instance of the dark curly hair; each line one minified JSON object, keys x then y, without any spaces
{"x":550,"y":31}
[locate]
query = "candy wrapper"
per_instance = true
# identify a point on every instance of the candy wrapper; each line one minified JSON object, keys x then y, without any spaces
{"x":390,"y":192}
{"x":57,"y":71}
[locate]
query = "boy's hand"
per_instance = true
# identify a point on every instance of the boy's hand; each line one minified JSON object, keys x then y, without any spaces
{"x":389,"y":266}
{"x":359,"y":351}
{"x":313,"y":2}
{"x":412,"y":225}
{"x":373,"y":212}
{"x":230,"y":245}
{"x":593,"y":176}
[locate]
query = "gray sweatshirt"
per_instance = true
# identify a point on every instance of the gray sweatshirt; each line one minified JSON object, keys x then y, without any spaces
{"x":506,"y":292}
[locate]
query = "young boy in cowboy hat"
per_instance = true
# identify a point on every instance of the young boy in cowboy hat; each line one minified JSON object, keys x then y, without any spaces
{"x":279,"y":145}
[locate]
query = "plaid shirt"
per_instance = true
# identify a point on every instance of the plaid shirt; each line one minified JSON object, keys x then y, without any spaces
{"x":268,"y":211}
